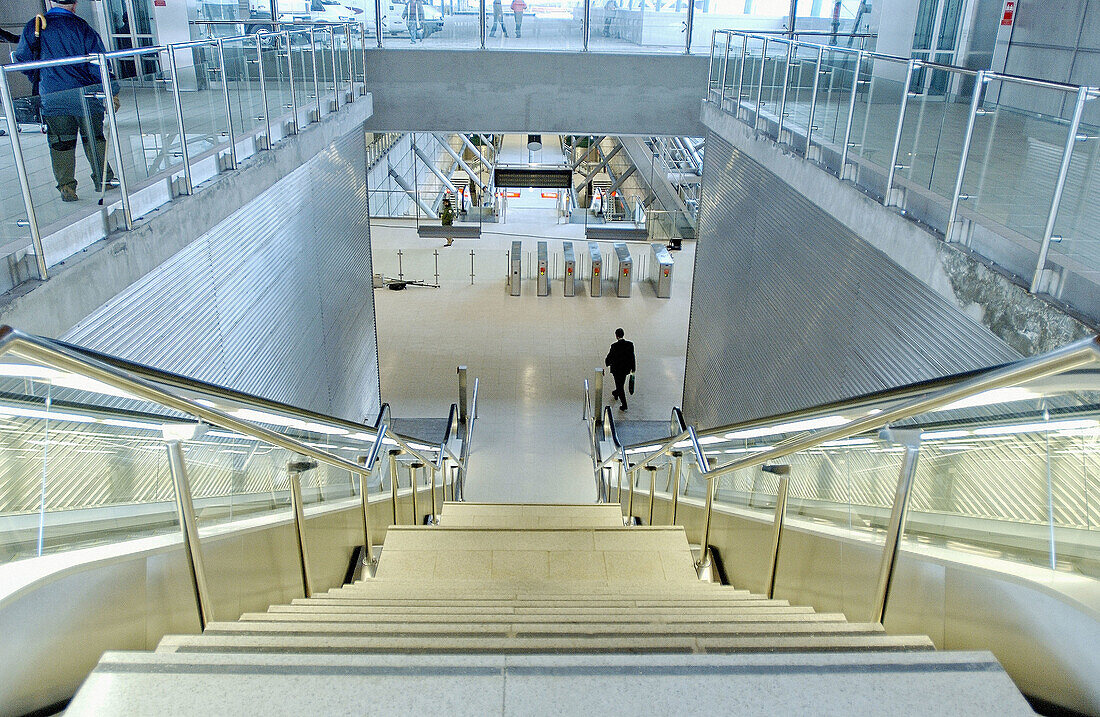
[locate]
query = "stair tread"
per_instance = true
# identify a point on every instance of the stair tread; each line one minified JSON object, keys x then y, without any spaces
{"x":521,"y":629}
{"x":709,"y":617}
{"x":633,"y":643}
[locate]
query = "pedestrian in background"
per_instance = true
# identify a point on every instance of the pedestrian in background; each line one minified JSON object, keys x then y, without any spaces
{"x":620,"y":359}
{"x":609,"y":9}
{"x":518,"y":6}
{"x":69,"y":110}
{"x":412,"y":19}
{"x":498,"y":19}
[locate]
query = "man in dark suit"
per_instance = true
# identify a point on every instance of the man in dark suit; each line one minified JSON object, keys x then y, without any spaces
{"x":620,"y":359}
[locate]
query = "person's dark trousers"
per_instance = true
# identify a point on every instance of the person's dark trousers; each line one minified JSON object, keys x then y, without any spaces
{"x":61,"y":135}
{"x":519,"y":24}
{"x":620,"y":388}
{"x":607,"y":27}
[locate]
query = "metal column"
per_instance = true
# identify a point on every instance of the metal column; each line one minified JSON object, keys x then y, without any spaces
{"x":896,"y":529}
{"x":185,"y":508}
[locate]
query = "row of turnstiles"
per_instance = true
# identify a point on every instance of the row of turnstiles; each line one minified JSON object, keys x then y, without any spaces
{"x":622,"y":275}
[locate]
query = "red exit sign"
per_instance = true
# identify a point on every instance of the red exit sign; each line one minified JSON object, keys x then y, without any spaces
{"x":1009,"y":13}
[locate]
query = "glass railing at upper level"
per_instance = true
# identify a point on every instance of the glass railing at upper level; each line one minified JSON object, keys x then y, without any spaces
{"x":1000,"y":164}
{"x":86,"y":442}
{"x":185,"y":112}
{"x":1000,"y":463}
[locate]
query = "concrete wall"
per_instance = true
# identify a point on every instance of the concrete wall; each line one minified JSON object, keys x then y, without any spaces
{"x":505,"y":91}
{"x":275,"y":300}
{"x":1042,"y":626}
{"x":59,"y":613}
{"x":97,"y":274}
{"x":792,"y":308}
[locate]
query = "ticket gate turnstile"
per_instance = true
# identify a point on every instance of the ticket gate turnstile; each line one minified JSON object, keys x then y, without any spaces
{"x":596,"y":279}
{"x":543,"y":279}
{"x":515,"y":276}
{"x":624,"y":273}
{"x":662,"y":271}
{"x":570,"y":276}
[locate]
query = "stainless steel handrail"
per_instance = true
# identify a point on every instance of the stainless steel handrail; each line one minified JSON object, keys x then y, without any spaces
{"x":464,"y":465}
{"x":49,"y":353}
{"x":190,"y":384}
{"x":1077,"y":354}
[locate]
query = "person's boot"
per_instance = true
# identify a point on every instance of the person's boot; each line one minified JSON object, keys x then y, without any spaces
{"x":68,"y":194}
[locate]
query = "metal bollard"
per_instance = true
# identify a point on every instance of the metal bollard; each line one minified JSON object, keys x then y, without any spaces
{"x":413,"y":468}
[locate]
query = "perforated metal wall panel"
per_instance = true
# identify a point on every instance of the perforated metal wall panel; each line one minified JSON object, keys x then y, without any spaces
{"x":791,"y":309}
{"x":275,"y":301}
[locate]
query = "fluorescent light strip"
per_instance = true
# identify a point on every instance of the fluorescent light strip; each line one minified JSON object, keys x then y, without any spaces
{"x":1069,"y":425}
{"x":810,"y":424}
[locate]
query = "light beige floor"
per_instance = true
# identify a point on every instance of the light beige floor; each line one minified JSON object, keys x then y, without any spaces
{"x":531,"y":354}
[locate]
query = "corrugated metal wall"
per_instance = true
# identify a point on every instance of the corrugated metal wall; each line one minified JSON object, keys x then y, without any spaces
{"x":791,"y":309}
{"x":275,"y":301}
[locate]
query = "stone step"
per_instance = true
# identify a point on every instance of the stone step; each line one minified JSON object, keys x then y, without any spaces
{"x":414,"y":586}
{"x":708,"y":617}
{"x":736,"y":603}
{"x":336,"y":644}
{"x":503,"y":515}
{"x":954,"y":684}
{"x":497,"y":595}
{"x":774,"y":607}
{"x":525,"y":630}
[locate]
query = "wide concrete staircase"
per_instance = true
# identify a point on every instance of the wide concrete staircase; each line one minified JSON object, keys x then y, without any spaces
{"x":523,"y":609}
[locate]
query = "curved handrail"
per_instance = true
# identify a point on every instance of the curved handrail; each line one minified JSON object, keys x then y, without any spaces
{"x":464,"y":463}
{"x":186,"y":383}
{"x":383,"y":414}
{"x":1075,"y":355}
{"x":49,"y":353}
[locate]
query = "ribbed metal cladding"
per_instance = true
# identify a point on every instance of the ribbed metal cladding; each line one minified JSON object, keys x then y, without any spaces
{"x":791,"y":309}
{"x":275,"y":301}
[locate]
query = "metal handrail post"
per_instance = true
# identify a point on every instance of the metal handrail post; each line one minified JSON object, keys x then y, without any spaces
{"x":351,"y":63}
{"x":783,"y":96}
{"x":652,"y":470}
{"x":722,"y":74}
{"x":760,"y":84}
{"x":300,"y":526}
{"x":316,"y":81}
{"x":710,"y":63}
{"x":1059,"y":187}
{"x":393,"y":481}
{"x":21,"y":171}
{"x":678,"y":457}
{"x":813,"y":100}
{"x":586,"y":25}
{"x":112,"y":123}
{"x":597,"y":395}
{"x":619,"y":490}
{"x":290,"y":78}
{"x":413,"y":469}
{"x":630,"y":476}
{"x":228,"y":106}
{"x":481,"y":16}
{"x":851,"y":115}
{"x":378,"y":32}
{"x":777,"y":533}
{"x":741,"y":72}
{"x":190,"y":189}
{"x":895,"y":531}
{"x":335,"y":79}
{"x":463,"y":403}
{"x":704,"y":553}
{"x":968,"y":137}
{"x":185,"y":509}
{"x":911,"y":65}
{"x":263,"y":89}
{"x":689,"y":28}
{"x":431,"y":474}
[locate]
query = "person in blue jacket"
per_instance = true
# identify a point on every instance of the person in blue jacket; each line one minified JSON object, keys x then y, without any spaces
{"x":68,"y":108}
